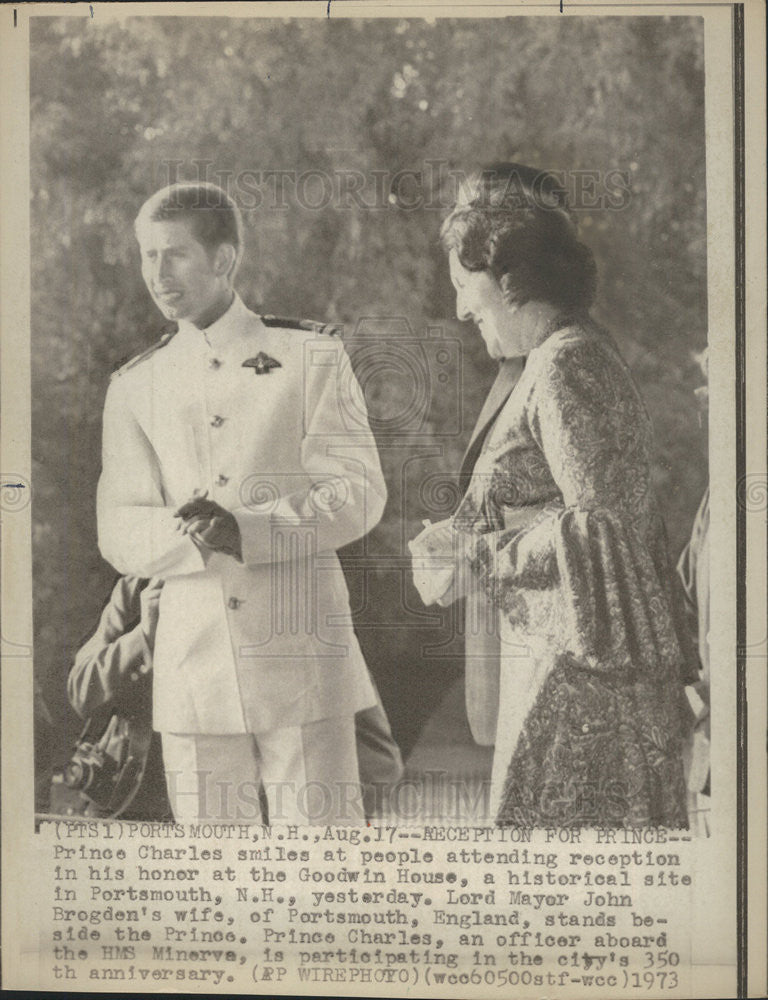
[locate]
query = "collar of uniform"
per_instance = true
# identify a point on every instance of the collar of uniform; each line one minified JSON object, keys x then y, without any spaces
{"x":224,"y":329}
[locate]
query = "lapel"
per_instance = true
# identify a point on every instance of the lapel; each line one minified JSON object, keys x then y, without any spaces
{"x":510,"y":371}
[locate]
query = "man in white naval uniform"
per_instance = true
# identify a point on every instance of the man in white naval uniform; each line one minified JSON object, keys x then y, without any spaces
{"x":237,"y":459}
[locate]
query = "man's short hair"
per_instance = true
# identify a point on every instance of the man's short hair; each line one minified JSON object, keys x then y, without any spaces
{"x":214,"y":216}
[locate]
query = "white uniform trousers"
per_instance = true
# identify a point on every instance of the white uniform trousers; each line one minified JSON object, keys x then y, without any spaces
{"x":309,"y":775}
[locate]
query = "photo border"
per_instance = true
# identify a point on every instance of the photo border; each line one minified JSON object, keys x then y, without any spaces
{"x":746,"y":737}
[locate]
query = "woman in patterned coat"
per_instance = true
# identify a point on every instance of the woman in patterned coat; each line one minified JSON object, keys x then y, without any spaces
{"x":559,"y":524}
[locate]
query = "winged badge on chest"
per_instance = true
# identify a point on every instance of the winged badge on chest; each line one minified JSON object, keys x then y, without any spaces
{"x":262,"y":364}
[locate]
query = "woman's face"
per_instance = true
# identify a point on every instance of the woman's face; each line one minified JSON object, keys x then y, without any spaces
{"x":479,"y":298}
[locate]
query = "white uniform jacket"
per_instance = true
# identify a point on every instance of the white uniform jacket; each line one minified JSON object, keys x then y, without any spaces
{"x":251,"y":646}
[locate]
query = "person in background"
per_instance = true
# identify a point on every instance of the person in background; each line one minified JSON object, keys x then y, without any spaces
{"x":693,"y":569}
{"x":112,"y":673}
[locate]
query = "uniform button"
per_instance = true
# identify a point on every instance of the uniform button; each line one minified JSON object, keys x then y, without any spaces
{"x":217,"y":421}
{"x":222,"y":480}
{"x":134,"y":675}
{"x":585,"y":728}
{"x":234,"y":603}
{"x":214,"y":363}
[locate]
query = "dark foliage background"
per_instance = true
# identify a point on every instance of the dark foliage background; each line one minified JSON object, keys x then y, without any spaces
{"x":114,"y":104}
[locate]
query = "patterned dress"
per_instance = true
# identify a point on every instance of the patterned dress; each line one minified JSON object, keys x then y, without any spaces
{"x":594,"y":715}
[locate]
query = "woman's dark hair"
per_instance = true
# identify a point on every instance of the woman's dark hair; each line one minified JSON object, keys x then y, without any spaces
{"x":514,"y":221}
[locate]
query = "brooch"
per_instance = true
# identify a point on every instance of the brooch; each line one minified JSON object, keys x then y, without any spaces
{"x":262,"y":364}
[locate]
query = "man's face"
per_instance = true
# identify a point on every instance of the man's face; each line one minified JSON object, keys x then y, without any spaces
{"x":186,"y":281}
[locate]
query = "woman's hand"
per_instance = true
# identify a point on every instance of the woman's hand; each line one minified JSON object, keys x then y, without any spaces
{"x":436,"y":554}
{"x":437,"y":540}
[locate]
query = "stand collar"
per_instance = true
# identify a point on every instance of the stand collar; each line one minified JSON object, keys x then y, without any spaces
{"x":222,"y":330}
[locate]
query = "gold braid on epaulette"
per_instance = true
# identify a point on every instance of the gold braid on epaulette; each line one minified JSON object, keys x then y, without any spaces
{"x":329,"y":329}
{"x":124,"y":366}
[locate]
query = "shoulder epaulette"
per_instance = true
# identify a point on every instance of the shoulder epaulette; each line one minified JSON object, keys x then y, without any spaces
{"x":169,"y":331}
{"x":330,"y":329}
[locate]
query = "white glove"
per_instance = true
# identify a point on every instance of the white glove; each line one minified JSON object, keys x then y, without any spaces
{"x":434,"y":556}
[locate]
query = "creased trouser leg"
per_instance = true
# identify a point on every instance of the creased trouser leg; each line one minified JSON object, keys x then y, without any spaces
{"x":309,"y":774}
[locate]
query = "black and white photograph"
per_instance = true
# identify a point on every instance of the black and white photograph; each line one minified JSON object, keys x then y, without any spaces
{"x":379,"y":376}
{"x":387,"y":483}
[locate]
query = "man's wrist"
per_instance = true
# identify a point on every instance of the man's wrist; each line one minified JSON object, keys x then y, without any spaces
{"x":205,"y":550}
